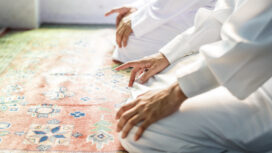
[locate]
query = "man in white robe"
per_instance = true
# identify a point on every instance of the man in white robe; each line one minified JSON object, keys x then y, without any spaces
{"x":155,"y":23}
{"x":225,"y":96}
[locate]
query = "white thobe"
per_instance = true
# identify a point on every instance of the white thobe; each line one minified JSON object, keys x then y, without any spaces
{"x":155,"y":23}
{"x":239,"y":60}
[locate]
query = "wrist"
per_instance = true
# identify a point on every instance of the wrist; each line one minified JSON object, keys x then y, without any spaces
{"x":176,"y":93}
{"x":164,"y":59}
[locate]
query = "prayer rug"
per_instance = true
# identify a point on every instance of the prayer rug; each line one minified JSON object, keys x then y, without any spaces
{"x":59,"y":91}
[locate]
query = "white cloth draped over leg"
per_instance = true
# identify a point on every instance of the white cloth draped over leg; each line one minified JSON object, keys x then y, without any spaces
{"x":156,"y":23}
{"x":229,"y":87}
{"x":212,"y":122}
{"x":148,"y":44}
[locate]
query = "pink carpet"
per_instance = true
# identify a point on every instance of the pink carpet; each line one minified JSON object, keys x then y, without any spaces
{"x":59,"y":90}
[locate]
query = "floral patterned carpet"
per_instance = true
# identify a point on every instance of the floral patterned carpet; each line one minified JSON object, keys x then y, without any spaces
{"x":59,"y":90}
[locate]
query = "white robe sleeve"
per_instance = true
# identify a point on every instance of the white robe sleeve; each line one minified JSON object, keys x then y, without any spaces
{"x":242,"y":60}
{"x":159,"y":12}
{"x":139,"y":3}
{"x":206,"y":29}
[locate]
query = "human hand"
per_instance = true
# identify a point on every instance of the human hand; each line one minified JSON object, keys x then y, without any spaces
{"x":150,"y":65}
{"x":123,"y":31}
{"x":149,"y":108}
{"x":122,"y":12}
{"x":123,"y":24}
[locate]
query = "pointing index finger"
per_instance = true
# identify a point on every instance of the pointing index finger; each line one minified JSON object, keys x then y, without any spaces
{"x":133,"y":76}
{"x":125,"y":66}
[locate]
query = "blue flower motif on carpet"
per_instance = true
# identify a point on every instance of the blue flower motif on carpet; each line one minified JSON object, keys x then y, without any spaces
{"x":77,"y":114}
{"x":49,"y":134}
{"x":100,"y":138}
{"x":52,"y":133}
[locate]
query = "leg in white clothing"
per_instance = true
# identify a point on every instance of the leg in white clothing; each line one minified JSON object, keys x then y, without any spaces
{"x":148,"y":44}
{"x":212,"y":122}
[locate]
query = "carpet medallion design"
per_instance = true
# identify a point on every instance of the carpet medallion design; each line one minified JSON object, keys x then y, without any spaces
{"x":59,"y":91}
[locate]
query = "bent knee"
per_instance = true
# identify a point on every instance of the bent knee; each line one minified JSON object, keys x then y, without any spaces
{"x":136,"y":48}
{"x":129,"y":144}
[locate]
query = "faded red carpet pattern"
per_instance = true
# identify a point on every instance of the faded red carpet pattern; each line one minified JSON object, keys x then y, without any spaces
{"x":59,"y":90}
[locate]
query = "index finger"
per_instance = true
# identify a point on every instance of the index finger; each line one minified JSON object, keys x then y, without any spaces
{"x":141,"y":129}
{"x":126,"y":65}
{"x":125,"y":108}
{"x":112,"y":11}
{"x":133,"y":75}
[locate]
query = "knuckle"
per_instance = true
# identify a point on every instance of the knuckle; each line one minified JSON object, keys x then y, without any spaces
{"x":149,"y":118}
{"x":131,"y":123}
{"x":134,"y":71}
{"x":143,"y":78}
{"x":118,"y":32}
{"x":142,"y":128}
{"x":146,"y":111}
{"x":124,"y":117}
{"x":140,"y":105}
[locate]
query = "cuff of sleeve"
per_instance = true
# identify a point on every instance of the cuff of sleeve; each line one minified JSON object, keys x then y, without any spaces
{"x":172,"y":51}
{"x":196,"y":78}
{"x":176,"y":49}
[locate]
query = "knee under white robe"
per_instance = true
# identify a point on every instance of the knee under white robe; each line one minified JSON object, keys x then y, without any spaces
{"x":213,"y":122}
{"x":229,"y":88}
{"x":156,"y":23}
